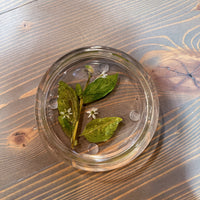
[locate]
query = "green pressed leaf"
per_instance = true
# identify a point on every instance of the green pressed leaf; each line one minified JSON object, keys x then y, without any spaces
{"x":68,"y":105}
{"x":101,"y":129}
{"x":99,"y":88}
{"x":79,"y":90}
{"x":66,"y":125}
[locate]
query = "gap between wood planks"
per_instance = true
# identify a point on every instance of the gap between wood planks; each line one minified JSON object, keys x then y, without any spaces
{"x":9,"y":10}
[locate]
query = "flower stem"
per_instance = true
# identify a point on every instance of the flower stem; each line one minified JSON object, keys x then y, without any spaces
{"x":74,"y":141}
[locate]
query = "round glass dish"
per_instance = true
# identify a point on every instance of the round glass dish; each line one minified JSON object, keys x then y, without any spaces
{"x":134,"y":99}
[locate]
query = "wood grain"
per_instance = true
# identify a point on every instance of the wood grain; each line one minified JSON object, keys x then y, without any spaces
{"x":163,"y":35}
{"x":10,"y":5}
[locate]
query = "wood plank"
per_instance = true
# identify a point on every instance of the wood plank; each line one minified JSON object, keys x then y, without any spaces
{"x":158,"y":162}
{"x":10,"y":5}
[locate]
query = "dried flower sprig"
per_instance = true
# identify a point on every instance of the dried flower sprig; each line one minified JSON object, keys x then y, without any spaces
{"x":70,"y":103}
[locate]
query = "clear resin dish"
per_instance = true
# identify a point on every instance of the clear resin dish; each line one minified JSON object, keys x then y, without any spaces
{"x":134,"y":99}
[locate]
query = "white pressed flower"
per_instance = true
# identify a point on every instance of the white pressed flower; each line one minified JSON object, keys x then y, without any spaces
{"x":66,"y":113}
{"x":92,"y":113}
{"x":103,"y":74}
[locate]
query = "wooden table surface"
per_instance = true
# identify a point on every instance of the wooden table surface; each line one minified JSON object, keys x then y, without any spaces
{"x":162,"y":35}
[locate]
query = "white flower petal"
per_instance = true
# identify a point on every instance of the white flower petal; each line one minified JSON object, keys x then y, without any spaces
{"x":93,"y":116}
{"x":103,"y":74}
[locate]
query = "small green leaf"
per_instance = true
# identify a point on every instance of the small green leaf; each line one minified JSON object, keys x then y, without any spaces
{"x":101,"y":129}
{"x":68,"y":105}
{"x":79,"y":90}
{"x":99,"y":88}
{"x":66,"y":125}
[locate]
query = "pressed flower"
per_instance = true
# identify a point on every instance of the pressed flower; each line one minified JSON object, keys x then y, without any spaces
{"x":103,"y":74}
{"x":67,"y":112}
{"x":69,"y":118}
{"x":92,"y":113}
